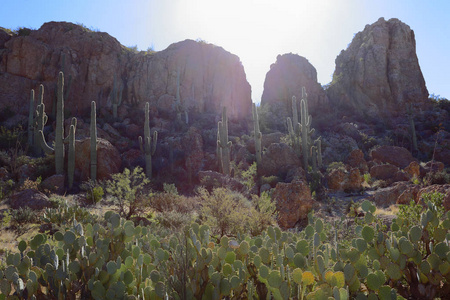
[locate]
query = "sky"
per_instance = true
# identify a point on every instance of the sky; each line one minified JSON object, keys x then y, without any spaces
{"x":255,"y":30}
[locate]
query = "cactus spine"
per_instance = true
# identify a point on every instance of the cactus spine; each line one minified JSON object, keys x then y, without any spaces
{"x":93,"y":145}
{"x":116,"y":97}
{"x":223,"y":145}
{"x":258,"y":135}
{"x":148,"y":146}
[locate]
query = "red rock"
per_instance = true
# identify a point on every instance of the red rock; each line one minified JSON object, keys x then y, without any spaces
{"x":408,"y":195}
{"x":356,"y":160}
{"x":293,"y":201}
{"x":383,"y":172}
{"x":379,"y":71}
{"x":343,"y":180}
{"x":385,"y":197}
{"x":413,"y":170}
{"x":394,"y":155}
{"x":108,"y":159}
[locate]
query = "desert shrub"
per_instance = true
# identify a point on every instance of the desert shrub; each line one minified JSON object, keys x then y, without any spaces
{"x":441,"y":177}
{"x":65,"y":214}
{"x":228,"y":212}
{"x":367,"y":178}
{"x":31,"y":184}
{"x":10,"y":137}
{"x":93,"y":191}
{"x":174,"y":220}
{"x":6,"y":187}
{"x":336,"y":165}
{"x":22,"y":215}
{"x":5,"y":217}
{"x":127,"y":189}
{"x":264,"y":215}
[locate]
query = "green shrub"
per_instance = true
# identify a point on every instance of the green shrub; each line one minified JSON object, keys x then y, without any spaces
{"x":336,"y":165}
{"x":23,"y":215}
{"x":93,"y":191}
{"x":127,"y":189}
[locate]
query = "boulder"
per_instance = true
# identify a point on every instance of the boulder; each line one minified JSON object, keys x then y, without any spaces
{"x":342,"y":180}
{"x":108,"y":159}
{"x":54,"y":184}
{"x":379,"y":71}
{"x":385,"y":197}
{"x":435,"y":188}
{"x":29,"y":198}
{"x":413,"y":170}
{"x":286,"y":78}
{"x":212,"y":179}
{"x":293,"y":202}
{"x":397,"y":156}
{"x":278,"y":159}
{"x":356,"y":160}
{"x":384,"y":172}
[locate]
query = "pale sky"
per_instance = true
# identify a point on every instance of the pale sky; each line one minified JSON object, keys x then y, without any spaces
{"x":255,"y":30}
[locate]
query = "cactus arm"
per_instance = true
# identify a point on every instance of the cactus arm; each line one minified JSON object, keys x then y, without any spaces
{"x":141,"y":144}
{"x":155,"y":139}
{"x":47,"y":149}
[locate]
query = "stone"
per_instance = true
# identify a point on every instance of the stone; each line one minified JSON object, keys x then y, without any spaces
{"x":408,"y":195}
{"x":413,"y":170}
{"x":342,"y":180}
{"x":108,"y":159}
{"x":397,"y":156}
{"x":356,"y":160}
{"x":337,"y":147}
{"x":212,"y":179}
{"x":435,"y":188}
{"x":54,"y":184}
{"x":384,"y":172}
{"x":286,"y":78}
{"x":379,"y":71}
{"x":94,"y":60}
{"x":385,"y":197}
{"x":29,"y":198}
{"x":293,"y":202}
{"x":278,"y":159}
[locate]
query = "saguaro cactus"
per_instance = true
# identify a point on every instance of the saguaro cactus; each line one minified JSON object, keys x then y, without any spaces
{"x":258,"y":135}
{"x":294,"y":128}
{"x":31,"y":120}
{"x":40,"y":120}
{"x":93,"y":145}
{"x":223,"y":145}
{"x":179,"y":107}
{"x":116,"y":97}
{"x":58,"y":150}
{"x":147,"y":145}
{"x":305,"y":128}
{"x":318,"y":144}
{"x":409,"y":112}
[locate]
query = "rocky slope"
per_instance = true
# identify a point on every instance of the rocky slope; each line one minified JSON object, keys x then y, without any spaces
{"x":209,"y":76}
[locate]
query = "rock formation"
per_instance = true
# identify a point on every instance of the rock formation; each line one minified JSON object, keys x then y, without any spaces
{"x":379,"y":72}
{"x":286,"y":78}
{"x":209,"y":76}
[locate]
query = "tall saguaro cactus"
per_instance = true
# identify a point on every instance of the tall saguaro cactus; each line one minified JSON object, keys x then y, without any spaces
{"x":294,"y":128}
{"x":93,"y":145}
{"x":305,"y":126}
{"x":116,"y":97}
{"x":40,"y":120}
{"x":58,"y":150}
{"x":148,"y":145}
{"x":258,"y":135}
{"x":223,"y":145}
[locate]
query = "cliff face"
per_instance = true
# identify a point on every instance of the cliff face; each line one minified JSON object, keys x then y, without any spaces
{"x":209,"y":76}
{"x":286,"y":78}
{"x":379,"y":72}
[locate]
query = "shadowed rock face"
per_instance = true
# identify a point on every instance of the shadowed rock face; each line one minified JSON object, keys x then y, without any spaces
{"x":210,"y":77}
{"x":286,"y":78}
{"x":379,"y":72}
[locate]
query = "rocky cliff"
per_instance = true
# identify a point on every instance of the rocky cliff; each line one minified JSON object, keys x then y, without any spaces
{"x":209,"y":77}
{"x":379,"y":71}
{"x":286,"y":78}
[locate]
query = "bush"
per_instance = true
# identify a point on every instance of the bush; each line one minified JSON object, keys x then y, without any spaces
{"x":336,"y":165}
{"x":94,"y":192}
{"x":127,"y":189}
{"x":22,"y":215}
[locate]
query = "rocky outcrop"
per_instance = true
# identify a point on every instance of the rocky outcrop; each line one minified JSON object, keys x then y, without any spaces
{"x":293,"y":201}
{"x":342,"y":180}
{"x":379,"y":72}
{"x":209,"y":76}
{"x":397,"y":156}
{"x":286,"y":78}
{"x":278,"y":159}
{"x":29,"y":198}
